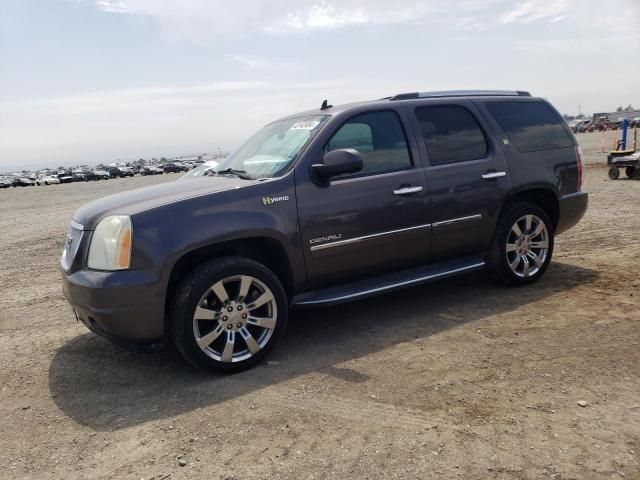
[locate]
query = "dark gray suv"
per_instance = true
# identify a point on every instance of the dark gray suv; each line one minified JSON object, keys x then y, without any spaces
{"x":322,"y":207}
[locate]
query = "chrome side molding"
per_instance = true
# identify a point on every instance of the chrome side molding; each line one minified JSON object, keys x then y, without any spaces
{"x":457,"y":220}
{"x":364,"y":238}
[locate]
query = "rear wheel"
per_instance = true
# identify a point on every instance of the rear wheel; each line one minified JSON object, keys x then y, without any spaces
{"x":228,"y":314}
{"x":523,"y":245}
{"x":630,"y":172}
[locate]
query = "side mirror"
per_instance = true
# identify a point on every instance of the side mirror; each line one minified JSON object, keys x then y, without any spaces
{"x":338,"y":162}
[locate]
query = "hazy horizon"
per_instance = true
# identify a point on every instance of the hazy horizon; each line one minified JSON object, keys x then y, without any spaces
{"x":90,"y":81}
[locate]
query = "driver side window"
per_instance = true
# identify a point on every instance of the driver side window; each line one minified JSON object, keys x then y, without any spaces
{"x":379,"y":138}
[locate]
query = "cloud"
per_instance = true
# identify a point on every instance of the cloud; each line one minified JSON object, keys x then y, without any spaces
{"x":271,"y":16}
{"x":129,"y":99}
{"x":253,"y":62}
{"x":202,"y":20}
{"x":574,"y":46}
{"x":534,"y":10}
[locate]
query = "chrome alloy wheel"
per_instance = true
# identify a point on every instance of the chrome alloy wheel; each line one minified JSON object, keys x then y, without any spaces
{"x":527,"y":246}
{"x":235,"y":318}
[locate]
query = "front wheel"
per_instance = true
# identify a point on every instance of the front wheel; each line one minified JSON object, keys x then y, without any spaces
{"x":523,"y":245}
{"x":228,"y":313}
{"x":614,"y":173}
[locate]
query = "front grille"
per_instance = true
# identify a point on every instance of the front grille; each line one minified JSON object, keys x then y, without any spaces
{"x":71,"y":244}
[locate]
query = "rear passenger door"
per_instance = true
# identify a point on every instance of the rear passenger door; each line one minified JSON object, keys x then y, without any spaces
{"x":467,"y":176}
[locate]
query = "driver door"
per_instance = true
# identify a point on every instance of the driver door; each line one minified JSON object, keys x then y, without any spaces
{"x":370,"y":222}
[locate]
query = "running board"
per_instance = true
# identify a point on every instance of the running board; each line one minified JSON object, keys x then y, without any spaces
{"x":387,"y":283}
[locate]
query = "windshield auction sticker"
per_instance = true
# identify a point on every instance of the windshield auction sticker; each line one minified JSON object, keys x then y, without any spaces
{"x":308,"y":125}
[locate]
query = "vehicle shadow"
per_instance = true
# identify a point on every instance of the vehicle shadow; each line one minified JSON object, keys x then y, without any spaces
{"x":104,"y":387}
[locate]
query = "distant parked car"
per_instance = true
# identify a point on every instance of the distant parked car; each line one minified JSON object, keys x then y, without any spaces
{"x":5,"y":183}
{"x":174,"y":167}
{"x":48,"y":180}
{"x":151,"y":170}
{"x":120,"y":172}
{"x":67,"y":178}
{"x":22,"y":182}
{"x":86,"y":175}
{"x":101,"y":174}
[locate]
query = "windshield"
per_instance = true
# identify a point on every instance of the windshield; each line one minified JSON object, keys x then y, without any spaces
{"x":275,"y":147}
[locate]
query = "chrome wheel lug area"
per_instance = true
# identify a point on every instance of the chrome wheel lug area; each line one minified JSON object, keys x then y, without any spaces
{"x":233,"y":315}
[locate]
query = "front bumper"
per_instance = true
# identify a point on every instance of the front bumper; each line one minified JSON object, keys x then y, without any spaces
{"x":126,"y":307}
{"x":572,"y":209}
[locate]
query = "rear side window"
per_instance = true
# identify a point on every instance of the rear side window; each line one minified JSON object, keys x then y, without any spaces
{"x":451,"y":134}
{"x":379,"y":137}
{"x":530,"y":126}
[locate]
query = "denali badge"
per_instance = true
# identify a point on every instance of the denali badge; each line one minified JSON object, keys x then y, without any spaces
{"x":325,"y":239}
{"x":272,"y":200}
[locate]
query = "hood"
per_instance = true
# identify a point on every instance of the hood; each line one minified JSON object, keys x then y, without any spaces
{"x":146,"y":198}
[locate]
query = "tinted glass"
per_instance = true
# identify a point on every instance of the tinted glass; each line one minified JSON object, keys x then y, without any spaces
{"x":530,"y":126}
{"x":379,"y":137}
{"x":451,"y":134}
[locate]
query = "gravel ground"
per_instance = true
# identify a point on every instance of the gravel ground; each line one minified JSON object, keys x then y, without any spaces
{"x":456,"y":379}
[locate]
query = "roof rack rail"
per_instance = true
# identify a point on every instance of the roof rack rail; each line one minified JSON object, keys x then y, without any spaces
{"x":461,"y":93}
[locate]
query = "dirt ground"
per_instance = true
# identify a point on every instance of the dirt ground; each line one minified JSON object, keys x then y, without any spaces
{"x":456,"y":379}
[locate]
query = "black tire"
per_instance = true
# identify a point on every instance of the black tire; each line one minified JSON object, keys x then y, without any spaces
{"x":196,"y":285}
{"x":614,"y":173}
{"x":498,"y":265}
{"x":630,"y":172}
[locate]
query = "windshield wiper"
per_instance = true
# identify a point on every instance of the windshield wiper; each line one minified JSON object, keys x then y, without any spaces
{"x":238,"y":173}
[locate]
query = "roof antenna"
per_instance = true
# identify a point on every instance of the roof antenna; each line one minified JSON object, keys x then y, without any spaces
{"x":325,"y":105}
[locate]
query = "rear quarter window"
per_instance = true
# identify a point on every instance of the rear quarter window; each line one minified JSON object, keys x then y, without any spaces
{"x":451,"y":134}
{"x":530,"y":126}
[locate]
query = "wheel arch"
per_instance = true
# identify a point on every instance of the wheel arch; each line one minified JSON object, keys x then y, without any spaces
{"x":543,"y":197}
{"x":265,"y":250}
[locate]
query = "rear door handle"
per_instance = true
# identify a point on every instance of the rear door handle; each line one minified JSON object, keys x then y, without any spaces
{"x":492,"y":175}
{"x":407,"y":190}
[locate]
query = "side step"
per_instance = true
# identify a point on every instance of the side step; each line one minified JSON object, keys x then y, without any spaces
{"x":387,"y":283}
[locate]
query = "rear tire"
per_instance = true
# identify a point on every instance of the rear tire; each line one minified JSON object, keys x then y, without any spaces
{"x":630,"y":172}
{"x":522,"y":245}
{"x":228,"y":313}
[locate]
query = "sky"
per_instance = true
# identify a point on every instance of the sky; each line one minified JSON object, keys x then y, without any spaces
{"x":89,"y":81}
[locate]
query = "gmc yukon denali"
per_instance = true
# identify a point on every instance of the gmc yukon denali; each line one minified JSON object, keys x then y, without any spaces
{"x":322,"y":207}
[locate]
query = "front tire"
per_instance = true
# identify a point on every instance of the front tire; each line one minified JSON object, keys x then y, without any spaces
{"x":228,"y":313}
{"x":614,"y":173}
{"x":522,"y":246}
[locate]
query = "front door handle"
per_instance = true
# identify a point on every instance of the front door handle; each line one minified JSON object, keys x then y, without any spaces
{"x":493,"y":175}
{"x":407,"y":190}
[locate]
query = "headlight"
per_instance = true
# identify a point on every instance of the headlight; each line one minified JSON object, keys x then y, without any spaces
{"x":111,"y":244}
